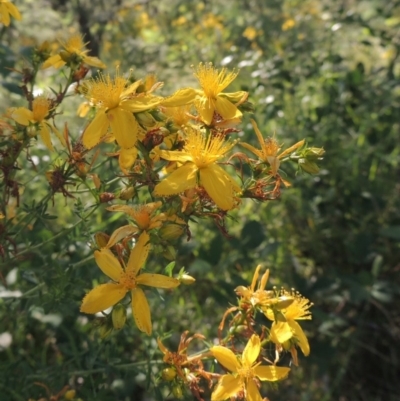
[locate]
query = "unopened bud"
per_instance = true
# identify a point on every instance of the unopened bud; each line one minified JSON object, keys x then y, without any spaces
{"x":168,"y":374}
{"x":177,"y":392}
{"x":70,"y":395}
{"x":169,"y":253}
{"x":308,"y":166}
{"x":118,"y":316}
{"x":186,"y":279}
{"x":145,"y":119}
{"x":101,"y":239}
{"x":106,"y":197}
{"x":283,"y":302}
{"x":127,"y":193}
{"x":170,"y":232}
{"x":105,"y":330}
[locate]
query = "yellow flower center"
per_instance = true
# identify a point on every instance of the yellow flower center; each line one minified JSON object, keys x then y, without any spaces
{"x":205,"y":150}
{"x":213,"y":82}
{"x":40,"y":108}
{"x":75,"y":45}
{"x":270,"y":148}
{"x":128,"y":280}
{"x":246,"y":372}
{"x":106,"y":92}
{"x":142,"y":218}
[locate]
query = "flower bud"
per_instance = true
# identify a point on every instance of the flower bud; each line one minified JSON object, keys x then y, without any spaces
{"x":186,"y":279}
{"x":169,"y":253}
{"x":308,"y":166}
{"x":127,"y":193}
{"x":177,"y":392}
{"x":283,"y":302}
{"x":105,"y":330}
{"x":106,"y":197}
{"x":145,"y":119}
{"x":118,"y":316}
{"x":70,"y":395}
{"x":170,"y":232}
{"x":168,"y":374}
{"x":65,"y":56}
{"x":101,"y":239}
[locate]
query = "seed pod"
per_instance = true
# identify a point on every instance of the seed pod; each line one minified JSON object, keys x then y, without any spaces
{"x":168,"y":374}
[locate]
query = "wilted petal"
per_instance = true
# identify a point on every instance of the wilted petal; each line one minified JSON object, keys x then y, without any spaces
{"x":251,"y":351}
{"x":102,"y":297}
{"x":252,"y":391}
{"x":225,"y":357}
{"x":228,"y":386}
{"x":108,"y":263}
{"x":95,"y":131}
{"x":124,"y":127}
{"x":139,"y":253}
{"x":157,"y":280}
{"x":271,"y":373}
{"x":182,"y":178}
{"x":141,"y":311}
{"x":300,"y":336}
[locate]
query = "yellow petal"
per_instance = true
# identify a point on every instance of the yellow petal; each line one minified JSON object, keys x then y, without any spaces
{"x":45,"y":135}
{"x":205,"y":108}
{"x":258,"y":133}
{"x":162,"y":347}
{"x":225,"y":357}
{"x":227,"y":386}
{"x":180,"y":98}
{"x":54,"y":61}
{"x":95,"y":130}
{"x":252,"y":391}
{"x":139,"y":254}
{"x":4,"y":15}
{"x":281,"y":332}
{"x":127,"y":158}
{"x":300,"y":336}
{"x":175,"y":155}
{"x":227,"y":109}
{"x":121,"y":233}
{"x":252,"y":149}
{"x":141,"y":103}
{"x":251,"y":351}
{"x":124,"y":127}
{"x":157,"y":280}
{"x":102,"y":297}
{"x":178,"y":181}
{"x":22,"y":115}
{"x":292,"y":148}
{"x":271,"y":373}
{"x":13,"y":10}
{"x":108,"y":263}
{"x":94,"y":62}
{"x":218,"y":185}
{"x":141,"y":311}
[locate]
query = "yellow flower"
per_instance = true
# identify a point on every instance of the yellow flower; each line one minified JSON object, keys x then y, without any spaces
{"x":116,"y":101}
{"x":126,"y":279}
{"x":199,"y":157}
{"x":144,"y":219}
{"x":269,"y":149}
{"x":285,"y":327}
{"x":37,"y":116}
{"x":7,"y":9}
{"x":73,"y":51}
{"x":245,"y":372}
{"x":210,"y":99}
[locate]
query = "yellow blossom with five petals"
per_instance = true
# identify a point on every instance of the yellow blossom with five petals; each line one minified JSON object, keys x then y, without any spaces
{"x":6,"y":9}
{"x":286,"y":328}
{"x":269,"y":149}
{"x":245,"y":372}
{"x":199,"y":167}
{"x":73,"y":49}
{"x":37,"y":116}
{"x":126,"y":279}
{"x":116,"y":102}
{"x":210,"y":99}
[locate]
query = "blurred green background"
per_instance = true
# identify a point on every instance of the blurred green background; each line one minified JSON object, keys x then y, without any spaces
{"x":327,"y":71}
